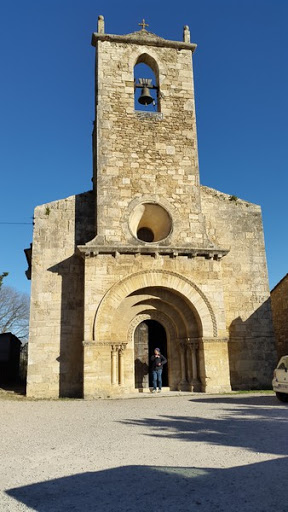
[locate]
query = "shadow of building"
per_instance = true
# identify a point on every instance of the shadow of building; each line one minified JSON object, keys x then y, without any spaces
{"x":257,"y":487}
{"x":252,"y":350}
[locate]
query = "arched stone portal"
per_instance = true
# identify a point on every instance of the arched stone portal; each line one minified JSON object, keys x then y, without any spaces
{"x":189,"y":322}
{"x":183,"y":298}
{"x":183,"y":314}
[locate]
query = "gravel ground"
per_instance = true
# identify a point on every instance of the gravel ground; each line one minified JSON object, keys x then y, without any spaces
{"x":156,"y":453}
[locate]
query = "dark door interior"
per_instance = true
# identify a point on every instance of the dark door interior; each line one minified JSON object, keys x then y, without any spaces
{"x":149,"y":335}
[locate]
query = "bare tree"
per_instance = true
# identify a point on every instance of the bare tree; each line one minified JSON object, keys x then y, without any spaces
{"x":4,"y":274}
{"x":14,"y":312}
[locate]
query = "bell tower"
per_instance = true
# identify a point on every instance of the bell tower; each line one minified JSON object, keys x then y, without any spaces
{"x":146,"y":176}
{"x":151,"y":242}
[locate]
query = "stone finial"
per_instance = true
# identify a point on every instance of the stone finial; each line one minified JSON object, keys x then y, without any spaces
{"x":186,"y":34}
{"x":101,"y":26}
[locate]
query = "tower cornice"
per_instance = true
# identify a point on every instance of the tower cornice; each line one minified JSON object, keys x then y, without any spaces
{"x":142,"y":37}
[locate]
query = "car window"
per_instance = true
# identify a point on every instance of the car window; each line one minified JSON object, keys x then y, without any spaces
{"x":283,"y":364}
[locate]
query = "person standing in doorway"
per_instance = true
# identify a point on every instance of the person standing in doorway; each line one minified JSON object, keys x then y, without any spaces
{"x":157,"y":361}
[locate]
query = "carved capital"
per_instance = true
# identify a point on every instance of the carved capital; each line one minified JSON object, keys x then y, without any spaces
{"x":122,"y":347}
{"x":118,"y":347}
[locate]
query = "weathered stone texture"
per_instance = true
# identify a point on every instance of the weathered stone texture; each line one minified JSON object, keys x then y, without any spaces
{"x":279,"y":302}
{"x":136,"y":155}
{"x":238,"y":224}
{"x":56,"y":319}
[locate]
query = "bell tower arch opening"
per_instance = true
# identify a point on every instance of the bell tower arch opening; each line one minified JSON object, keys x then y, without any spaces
{"x":148,"y":335}
{"x":146,"y":84}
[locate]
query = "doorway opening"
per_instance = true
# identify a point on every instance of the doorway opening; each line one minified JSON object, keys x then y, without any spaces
{"x":148,"y":335}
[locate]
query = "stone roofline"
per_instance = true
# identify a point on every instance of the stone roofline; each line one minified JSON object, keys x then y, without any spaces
{"x":91,"y":250}
{"x":280,"y":282}
{"x":228,"y":197}
{"x":142,"y":37}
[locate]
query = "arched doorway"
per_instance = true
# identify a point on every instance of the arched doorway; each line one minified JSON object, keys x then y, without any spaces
{"x":175,"y":303}
{"x":148,"y":335}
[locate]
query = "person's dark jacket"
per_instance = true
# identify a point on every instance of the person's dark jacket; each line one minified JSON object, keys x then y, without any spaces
{"x":157,"y":362}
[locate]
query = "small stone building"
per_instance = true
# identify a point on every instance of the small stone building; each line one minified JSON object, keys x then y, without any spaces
{"x":10,"y":347}
{"x":279,"y":303}
{"x":149,"y":257}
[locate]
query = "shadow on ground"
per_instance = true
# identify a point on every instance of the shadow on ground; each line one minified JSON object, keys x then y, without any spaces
{"x":257,"y":424}
{"x":257,"y":487}
{"x":249,"y":400}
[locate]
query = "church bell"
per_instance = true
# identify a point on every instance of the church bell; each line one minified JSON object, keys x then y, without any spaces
{"x":145,"y":97}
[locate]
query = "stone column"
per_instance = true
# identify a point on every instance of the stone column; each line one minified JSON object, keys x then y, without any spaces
{"x":121,"y":364}
{"x":194,"y":381}
{"x":183,"y":385}
{"x":114,"y":351}
{"x":194,"y":361}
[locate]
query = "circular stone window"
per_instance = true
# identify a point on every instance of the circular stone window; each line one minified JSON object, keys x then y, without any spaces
{"x":150,"y":222}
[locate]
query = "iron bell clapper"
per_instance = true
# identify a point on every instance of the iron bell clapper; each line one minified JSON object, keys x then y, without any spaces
{"x":145,"y":97}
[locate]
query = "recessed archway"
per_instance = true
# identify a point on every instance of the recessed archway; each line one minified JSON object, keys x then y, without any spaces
{"x":186,"y":316}
{"x":122,"y":303}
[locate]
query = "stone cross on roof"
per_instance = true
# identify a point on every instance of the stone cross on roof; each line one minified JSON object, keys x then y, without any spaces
{"x":143,"y":24}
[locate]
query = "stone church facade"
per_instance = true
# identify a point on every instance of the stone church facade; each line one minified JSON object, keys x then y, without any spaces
{"x":148,"y":258}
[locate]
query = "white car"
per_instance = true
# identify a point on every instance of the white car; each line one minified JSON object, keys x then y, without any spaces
{"x":280,"y":379}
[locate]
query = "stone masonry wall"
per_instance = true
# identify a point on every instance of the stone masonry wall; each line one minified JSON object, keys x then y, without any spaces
{"x":102,"y":272}
{"x":146,"y":156}
{"x":55,"y":364}
{"x":238,"y":224}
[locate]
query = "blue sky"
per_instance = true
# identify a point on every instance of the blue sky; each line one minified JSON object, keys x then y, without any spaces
{"x":47,"y":106}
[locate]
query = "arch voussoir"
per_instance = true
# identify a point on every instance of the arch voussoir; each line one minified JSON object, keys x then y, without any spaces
{"x":178,"y":285}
